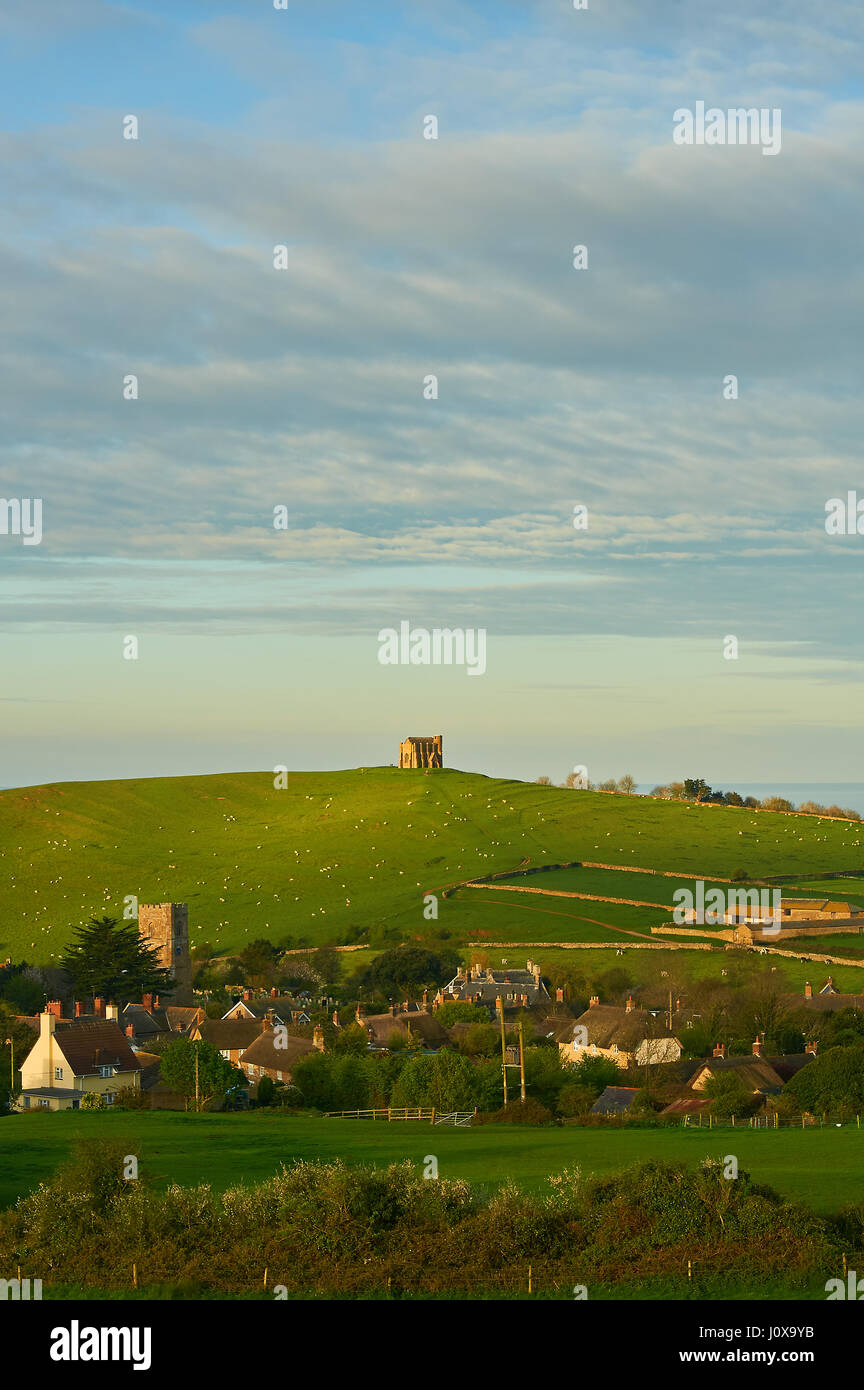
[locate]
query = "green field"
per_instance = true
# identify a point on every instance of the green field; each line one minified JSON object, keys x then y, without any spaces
{"x":334,"y":852}
{"x":824,"y":1168}
{"x":475,"y":913}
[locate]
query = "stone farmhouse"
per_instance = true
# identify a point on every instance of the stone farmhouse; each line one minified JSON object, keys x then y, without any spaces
{"x":517,"y":989}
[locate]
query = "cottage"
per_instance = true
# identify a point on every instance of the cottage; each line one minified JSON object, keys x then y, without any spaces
{"x":264,"y":1057}
{"x":627,"y":1036}
{"x":71,"y":1058}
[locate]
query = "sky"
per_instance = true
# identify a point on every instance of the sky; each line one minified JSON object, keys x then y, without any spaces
{"x":302,"y":388}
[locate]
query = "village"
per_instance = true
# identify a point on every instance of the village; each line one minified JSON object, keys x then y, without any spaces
{"x":487,"y":1040}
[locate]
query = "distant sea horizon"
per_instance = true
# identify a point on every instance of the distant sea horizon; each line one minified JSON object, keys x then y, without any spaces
{"x":848,"y":795}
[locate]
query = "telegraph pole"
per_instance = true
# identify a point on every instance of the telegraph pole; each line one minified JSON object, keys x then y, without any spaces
{"x":522,"y":1057}
{"x":500,"y":1003}
{"x":196,"y":1079}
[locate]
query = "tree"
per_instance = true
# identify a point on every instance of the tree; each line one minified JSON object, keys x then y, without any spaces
{"x":543,"y":781}
{"x":729,"y":1095}
{"x":327,"y":964}
{"x":215,"y":1075}
{"x":109,"y":958}
{"x":696,"y":789}
{"x":21,"y":987}
{"x":407,"y":970}
{"x":833,"y":1082}
{"x":627,"y":784}
{"x":266,"y":1091}
{"x":596,"y":1073}
{"x":575,"y":1100}
{"x":258,"y":962}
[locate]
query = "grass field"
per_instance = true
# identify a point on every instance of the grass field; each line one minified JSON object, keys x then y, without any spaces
{"x":824,"y":1168}
{"x":334,"y":851}
{"x":530,"y":917}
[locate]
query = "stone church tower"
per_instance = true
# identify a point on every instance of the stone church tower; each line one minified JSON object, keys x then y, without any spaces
{"x":422,"y":752}
{"x":165,"y":926}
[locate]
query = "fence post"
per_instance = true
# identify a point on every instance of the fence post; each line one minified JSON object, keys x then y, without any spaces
{"x":432,"y":1121}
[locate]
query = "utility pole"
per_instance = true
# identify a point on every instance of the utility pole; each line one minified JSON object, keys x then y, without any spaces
{"x":500,"y":1003}
{"x":196,"y":1078}
{"x":522,"y":1058}
{"x":10,"y":1043}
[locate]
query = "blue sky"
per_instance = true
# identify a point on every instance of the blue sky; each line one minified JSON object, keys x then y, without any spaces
{"x":303,"y":388}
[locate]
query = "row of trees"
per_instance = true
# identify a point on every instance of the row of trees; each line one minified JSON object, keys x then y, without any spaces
{"x":577,"y":781}
{"x":697,"y":789}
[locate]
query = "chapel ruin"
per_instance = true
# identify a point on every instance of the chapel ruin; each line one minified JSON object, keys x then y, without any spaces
{"x":422,"y":752}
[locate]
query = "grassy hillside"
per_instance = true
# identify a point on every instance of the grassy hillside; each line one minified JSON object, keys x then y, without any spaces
{"x":336,"y":851}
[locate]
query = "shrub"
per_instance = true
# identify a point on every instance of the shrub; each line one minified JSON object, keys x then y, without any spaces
{"x":517,"y":1112}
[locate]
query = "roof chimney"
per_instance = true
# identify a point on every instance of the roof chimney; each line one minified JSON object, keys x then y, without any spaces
{"x":247,"y":995}
{"x":47,"y":1024}
{"x":757,"y":1046}
{"x":559,"y":996}
{"x":55,"y":1007}
{"x":318,"y":1037}
{"x":274,"y":993}
{"x":358,"y":1013}
{"x":812,"y":1047}
{"x":808,"y":990}
{"x":499,"y":1006}
{"x":593,"y":1001}
{"x":111,"y":1012}
{"x":99,"y":1006}
{"x":335,"y":1018}
{"x":628,"y":1007}
{"x":147,"y":1002}
{"x":77,"y":1008}
{"x":130,"y":1030}
{"x":719,"y":1050}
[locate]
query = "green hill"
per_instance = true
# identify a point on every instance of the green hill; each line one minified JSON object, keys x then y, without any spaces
{"x":336,"y":852}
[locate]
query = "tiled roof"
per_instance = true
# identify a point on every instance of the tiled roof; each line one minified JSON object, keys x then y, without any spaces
{"x":88,"y":1046}
{"x":229,"y":1034}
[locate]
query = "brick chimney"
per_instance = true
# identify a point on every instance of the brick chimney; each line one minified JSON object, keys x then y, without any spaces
{"x":719,"y":1050}
{"x":593,"y":1001}
{"x":559,"y":996}
{"x":318,"y":1037}
{"x":358,"y":1014}
{"x":335,"y":1018}
{"x":808,"y":990}
{"x":156,"y":1001}
{"x":425,"y":998}
{"x":99,"y":1006}
{"x":757,"y":1046}
{"x":274,"y":993}
{"x":54,"y":1007}
{"x":267,"y":1022}
{"x":130,"y":1030}
{"x":812,"y":1047}
{"x":628,"y":1007}
{"x":77,"y":1008}
{"x":499,"y":1006}
{"x":247,"y":996}
{"x":147,"y":1002}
